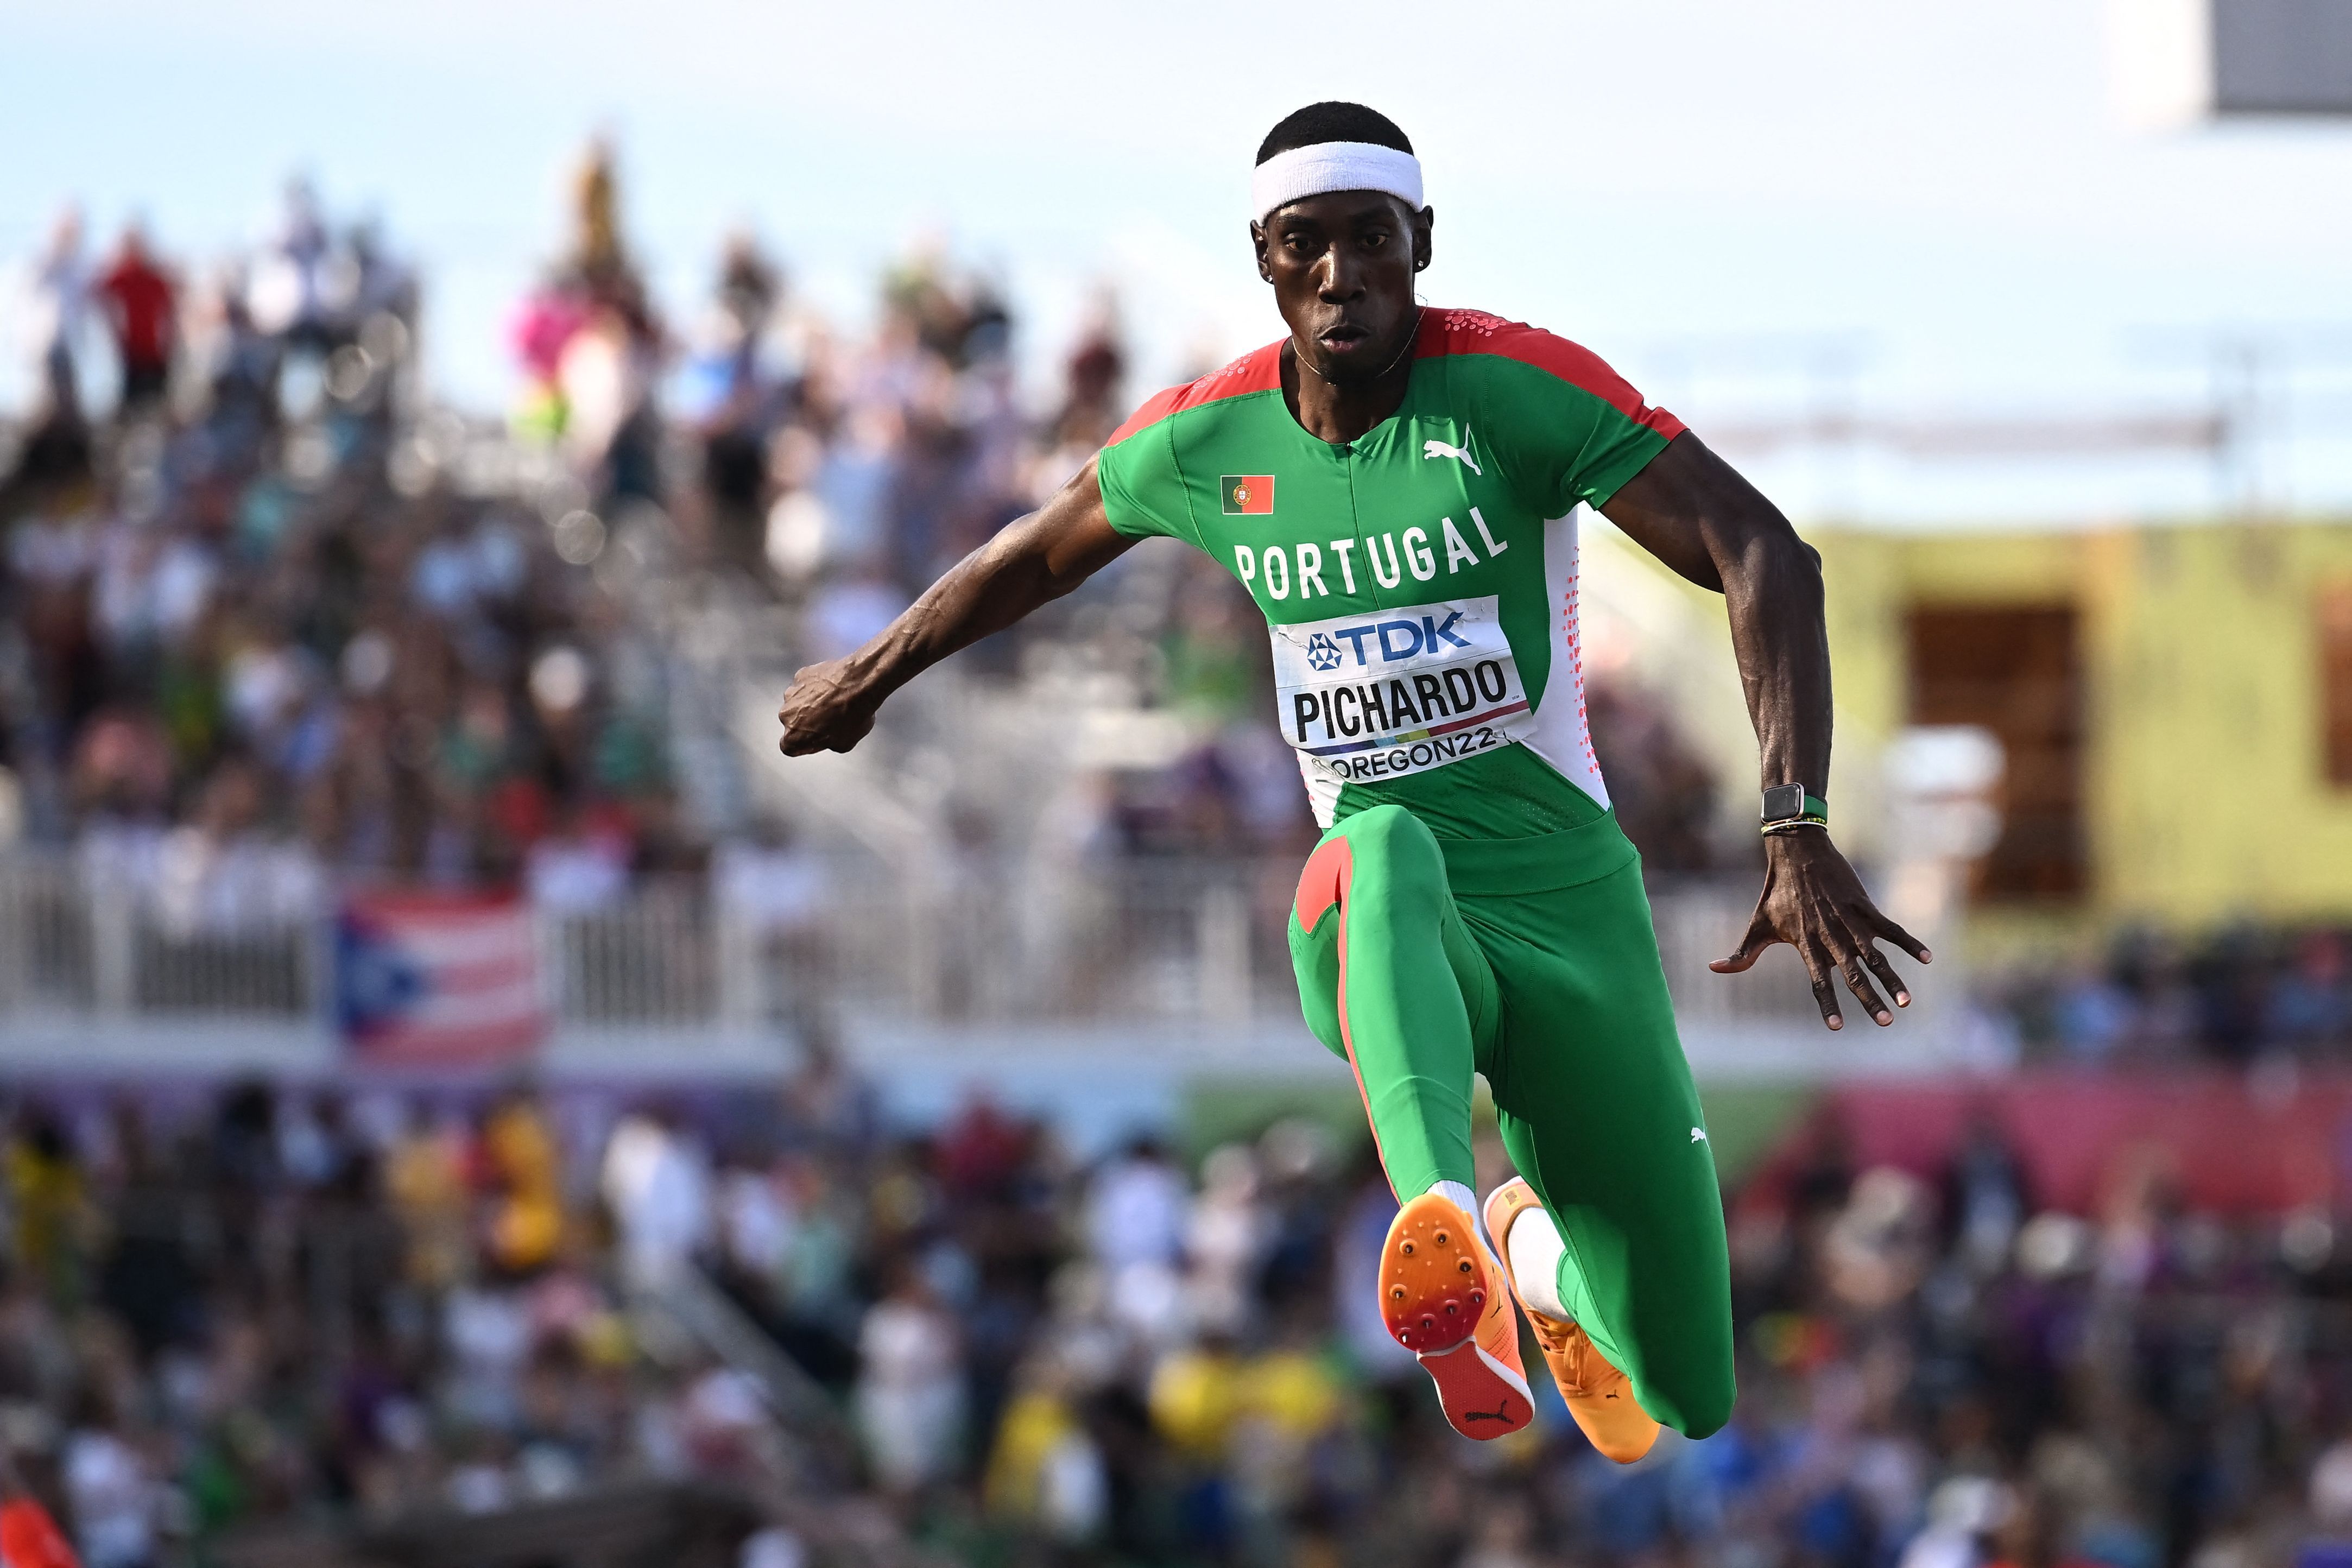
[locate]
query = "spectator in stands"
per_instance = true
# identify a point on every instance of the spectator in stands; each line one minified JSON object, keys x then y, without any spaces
{"x":1226,"y":1237}
{"x":221,"y":875}
{"x":910,"y":1395}
{"x":527,"y":1222}
{"x":49,"y":1206}
{"x":656,"y":1181}
{"x":593,"y":337}
{"x":60,"y":307}
{"x":1135,"y":1230}
{"x":115,"y":1499}
{"x":288,"y":293}
{"x":1136,"y":1211}
{"x":731,"y":396}
{"x":2309,"y":1005}
{"x":827,"y":1108}
{"x":2093,"y":1014}
{"x":140,"y":301}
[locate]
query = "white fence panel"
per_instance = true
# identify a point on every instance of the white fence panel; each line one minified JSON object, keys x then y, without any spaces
{"x":651,"y":960}
{"x":981,"y":942}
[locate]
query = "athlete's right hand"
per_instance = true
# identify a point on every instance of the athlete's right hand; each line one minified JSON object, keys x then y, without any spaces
{"x":830,"y":708}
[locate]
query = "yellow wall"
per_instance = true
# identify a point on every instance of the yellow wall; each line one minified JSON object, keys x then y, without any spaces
{"x":2204,"y":785}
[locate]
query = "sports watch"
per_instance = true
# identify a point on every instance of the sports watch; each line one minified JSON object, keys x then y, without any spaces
{"x":1791,"y":806}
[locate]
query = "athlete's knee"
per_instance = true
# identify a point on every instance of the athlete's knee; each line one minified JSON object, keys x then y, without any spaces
{"x":1696,"y":1403}
{"x":1400,"y":843}
{"x":1708,"y":1417}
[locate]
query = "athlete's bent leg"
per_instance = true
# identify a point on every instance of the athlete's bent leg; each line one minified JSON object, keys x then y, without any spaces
{"x":1390,"y":980}
{"x":1597,"y":1110}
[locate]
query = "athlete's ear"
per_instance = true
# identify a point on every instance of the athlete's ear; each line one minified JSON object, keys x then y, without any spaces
{"x":1422,"y":223}
{"x":1258,"y":243}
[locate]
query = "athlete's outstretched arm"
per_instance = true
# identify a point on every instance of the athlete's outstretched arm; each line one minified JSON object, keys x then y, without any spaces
{"x":1036,"y":559}
{"x":1692,"y":510}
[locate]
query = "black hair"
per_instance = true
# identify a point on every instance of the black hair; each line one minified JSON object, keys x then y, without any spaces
{"x":1332,"y":121}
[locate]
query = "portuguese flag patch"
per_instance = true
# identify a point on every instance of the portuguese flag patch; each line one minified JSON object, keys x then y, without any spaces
{"x":1249,"y":495}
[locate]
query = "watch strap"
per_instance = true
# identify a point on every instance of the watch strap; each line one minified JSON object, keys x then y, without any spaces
{"x":1788,"y":807}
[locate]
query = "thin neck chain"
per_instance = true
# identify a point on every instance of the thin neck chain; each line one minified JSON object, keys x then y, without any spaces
{"x":1411,"y":338}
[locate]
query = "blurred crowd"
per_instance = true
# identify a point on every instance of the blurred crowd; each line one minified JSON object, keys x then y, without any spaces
{"x":259,"y":1308}
{"x":2244,"y":994}
{"x":254,"y":635}
{"x":295,"y":1303}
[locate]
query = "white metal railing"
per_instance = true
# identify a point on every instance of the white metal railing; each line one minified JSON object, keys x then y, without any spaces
{"x":47,"y":957}
{"x":1147,"y":940}
{"x":653,"y":959}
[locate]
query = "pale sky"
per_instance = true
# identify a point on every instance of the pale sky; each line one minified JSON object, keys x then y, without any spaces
{"x":1705,"y":193}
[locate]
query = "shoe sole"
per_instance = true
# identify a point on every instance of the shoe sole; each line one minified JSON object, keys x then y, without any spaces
{"x":1433,"y":1291}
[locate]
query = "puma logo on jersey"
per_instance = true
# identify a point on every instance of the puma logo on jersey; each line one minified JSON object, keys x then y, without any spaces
{"x":1433,"y":449}
{"x":1698,"y":1134}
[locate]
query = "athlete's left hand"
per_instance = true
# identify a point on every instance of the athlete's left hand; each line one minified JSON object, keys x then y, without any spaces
{"x":1813,"y":902}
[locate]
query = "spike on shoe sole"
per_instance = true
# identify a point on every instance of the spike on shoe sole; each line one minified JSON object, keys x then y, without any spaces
{"x":1436,"y":1294}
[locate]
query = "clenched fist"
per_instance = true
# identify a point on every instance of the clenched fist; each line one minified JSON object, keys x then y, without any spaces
{"x":830,"y":708}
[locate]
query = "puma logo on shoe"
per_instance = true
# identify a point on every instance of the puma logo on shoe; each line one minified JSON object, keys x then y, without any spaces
{"x":1435,"y":448}
{"x":1501,"y":1413}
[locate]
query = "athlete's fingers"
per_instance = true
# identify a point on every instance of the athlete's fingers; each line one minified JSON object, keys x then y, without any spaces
{"x":1847,"y":950}
{"x":1817,"y":965}
{"x":795,"y":737}
{"x":807,"y":742}
{"x":810,"y":734}
{"x":1857,"y":981}
{"x":1837,"y":948}
{"x":1897,"y":935}
{"x":1761,"y":935}
{"x":1885,"y":970}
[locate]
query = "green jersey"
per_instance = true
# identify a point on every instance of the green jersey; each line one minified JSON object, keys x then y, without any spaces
{"x":1418,"y":582}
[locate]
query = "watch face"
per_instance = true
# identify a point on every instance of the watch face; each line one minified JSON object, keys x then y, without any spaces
{"x":1782,"y":802}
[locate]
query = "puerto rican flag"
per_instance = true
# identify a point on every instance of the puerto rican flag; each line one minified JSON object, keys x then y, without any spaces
{"x":442,"y":980}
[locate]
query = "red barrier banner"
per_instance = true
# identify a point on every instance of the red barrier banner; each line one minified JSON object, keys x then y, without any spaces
{"x":2231,"y":1142}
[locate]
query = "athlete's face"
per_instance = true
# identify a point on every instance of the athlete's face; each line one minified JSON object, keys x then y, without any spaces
{"x":1342,"y":266}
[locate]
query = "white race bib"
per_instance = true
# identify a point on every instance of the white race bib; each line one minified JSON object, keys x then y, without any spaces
{"x":1398,"y":691}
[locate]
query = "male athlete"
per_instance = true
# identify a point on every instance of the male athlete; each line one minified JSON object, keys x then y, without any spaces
{"x":1396,"y":487}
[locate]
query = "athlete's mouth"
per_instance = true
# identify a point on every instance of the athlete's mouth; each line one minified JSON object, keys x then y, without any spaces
{"x":1343,"y":338}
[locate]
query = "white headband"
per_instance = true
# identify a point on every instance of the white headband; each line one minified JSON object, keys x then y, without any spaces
{"x":1305,"y":171}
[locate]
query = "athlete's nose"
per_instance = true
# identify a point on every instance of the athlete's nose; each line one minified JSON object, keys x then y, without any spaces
{"x":1339,"y":280}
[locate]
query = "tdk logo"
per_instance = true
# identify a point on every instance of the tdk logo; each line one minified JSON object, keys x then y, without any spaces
{"x":1393,"y":640}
